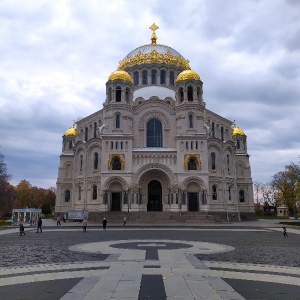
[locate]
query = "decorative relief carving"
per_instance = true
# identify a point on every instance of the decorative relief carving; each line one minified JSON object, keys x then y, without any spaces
{"x":154,"y":57}
{"x":115,"y":179}
{"x":154,"y":166}
{"x":154,"y":114}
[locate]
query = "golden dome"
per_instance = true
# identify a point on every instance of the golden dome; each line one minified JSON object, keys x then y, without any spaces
{"x":120,"y":75}
{"x":188,"y":75}
{"x":237,"y":130}
{"x":71,"y":131}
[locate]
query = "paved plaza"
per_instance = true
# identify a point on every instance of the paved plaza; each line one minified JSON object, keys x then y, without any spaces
{"x":248,"y":260}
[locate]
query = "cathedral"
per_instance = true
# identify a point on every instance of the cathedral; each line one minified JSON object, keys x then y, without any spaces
{"x":154,"y":146}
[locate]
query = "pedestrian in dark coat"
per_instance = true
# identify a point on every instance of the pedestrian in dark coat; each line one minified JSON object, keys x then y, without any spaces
{"x":39,"y":223}
{"x":22,"y":230}
{"x":285,"y":232}
{"x":104,"y":223}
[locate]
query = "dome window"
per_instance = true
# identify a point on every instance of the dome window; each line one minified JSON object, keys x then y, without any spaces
{"x":172,"y":78}
{"x":118,"y":94}
{"x":136,"y":78}
{"x":145,"y":77}
{"x":190,"y":93}
{"x":162,"y":77}
{"x":181,"y":94}
{"x":153,"y":77}
{"x":70,"y":144}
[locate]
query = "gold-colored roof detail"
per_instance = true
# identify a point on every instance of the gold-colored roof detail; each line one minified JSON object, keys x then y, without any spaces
{"x":120,"y":75}
{"x":187,"y":75}
{"x":187,"y":157}
{"x":154,"y":57}
{"x":237,"y":130}
{"x":153,"y":27}
{"x":71,"y":131}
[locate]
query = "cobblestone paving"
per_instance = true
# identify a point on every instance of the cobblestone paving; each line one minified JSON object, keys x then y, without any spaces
{"x":258,"y":247}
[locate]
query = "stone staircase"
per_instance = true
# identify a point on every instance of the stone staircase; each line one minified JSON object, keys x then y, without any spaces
{"x":152,"y":217}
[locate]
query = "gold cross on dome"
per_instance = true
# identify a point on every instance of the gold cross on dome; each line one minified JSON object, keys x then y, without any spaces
{"x":153,"y":27}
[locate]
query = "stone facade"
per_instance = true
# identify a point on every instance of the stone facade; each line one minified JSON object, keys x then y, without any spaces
{"x":154,"y":146}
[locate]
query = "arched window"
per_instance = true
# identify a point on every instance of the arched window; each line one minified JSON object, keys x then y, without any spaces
{"x":127,"y":94}
{"x":242,"y":196}
{"x":94,"y":192}
{"x":153,"y":76}
{"x":190,"y":93}
{"x":95,"y":161}
{"x":172,"y":78}
{"x":154,"y":133}
{"x":67,"y":196}
{"x":145,"y":77}
{"x":70,"y":144}
{"x":214,"y":193}
{"x":116,"y":164}
{"x":121,"y":145}
{"x":117,"y":120}
{"x":213,"y":160}
{"x":118,"y":94}
{"x":228,"y":162}
{"x":238,"y":145}
{"x":81,"y":162}
{"x":181,"y":95}
{"x":136,"y":78}
{"x":222,"y":133}
{"x":229,"y":193}
{"x":79,"y":193}
{"x":162,"y":77}
{"x":191,"y":121}
{"x":109,"y":95}
{"x":86,"y":134}
{"x":192,"y":164}
{"x":198,"y":93}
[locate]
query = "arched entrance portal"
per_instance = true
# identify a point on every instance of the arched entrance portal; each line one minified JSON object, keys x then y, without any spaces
{"x":154,"y":196}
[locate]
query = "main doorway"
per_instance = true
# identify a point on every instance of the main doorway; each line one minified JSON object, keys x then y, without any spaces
{"x":154,"y":196}
{"x":115,"y":201}
{"x":192,"y":201}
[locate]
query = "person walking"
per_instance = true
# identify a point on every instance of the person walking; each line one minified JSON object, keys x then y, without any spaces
{"x":124,"y":221}
{"x":39,"y":223}
{"x":285,"y":232}
{"x":58,"y":220}
{"x":64,"y":218}
{"x":104,"y":223}
{"x":84,"y":223}
{"x":22,"y":229}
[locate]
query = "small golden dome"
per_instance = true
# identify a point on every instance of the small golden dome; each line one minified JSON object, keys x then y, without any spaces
{"x":237,"y":130}
{"x":188,"y":75}
{"x":120,"y":75}
{"x":71,"y":131}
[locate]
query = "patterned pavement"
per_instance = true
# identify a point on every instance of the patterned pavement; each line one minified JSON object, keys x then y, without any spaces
{"x":135,"y":262}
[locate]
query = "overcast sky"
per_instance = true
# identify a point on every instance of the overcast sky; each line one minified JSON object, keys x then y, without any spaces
{"x":56,"y":56}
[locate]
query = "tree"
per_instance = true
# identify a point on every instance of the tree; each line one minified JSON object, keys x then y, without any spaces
{"x":287,"y":184}
{"x":6,"y":189}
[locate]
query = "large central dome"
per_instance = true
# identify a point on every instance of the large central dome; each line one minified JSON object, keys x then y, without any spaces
{"x":161,"y":49}
{"x":154,"y":53}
